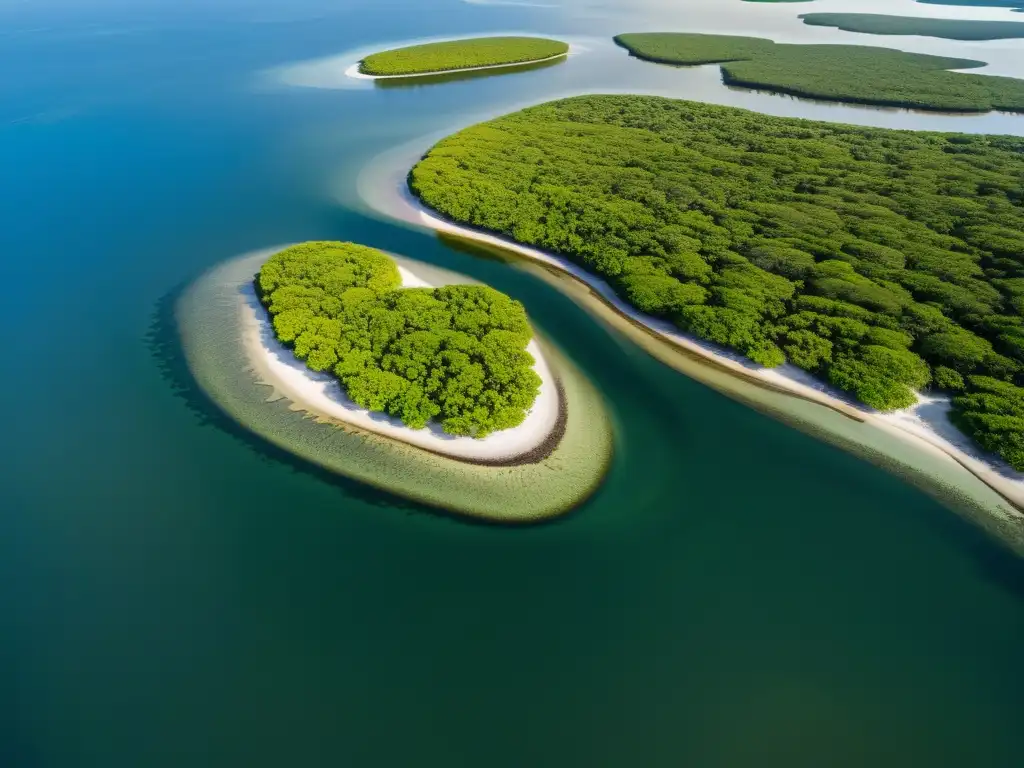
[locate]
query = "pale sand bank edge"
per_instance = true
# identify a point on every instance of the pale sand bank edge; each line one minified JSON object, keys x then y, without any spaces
{"x":906,"y":424}
{"x":320,"y":395}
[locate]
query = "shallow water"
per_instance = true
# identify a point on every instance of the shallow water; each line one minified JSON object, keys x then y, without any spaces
{"x":176,"y":591}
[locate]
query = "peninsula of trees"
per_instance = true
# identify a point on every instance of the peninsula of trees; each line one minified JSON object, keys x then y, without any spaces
{"x":881,"y":261}
{"x":461,"y":54}
{"x":455,"y":355}
{"x":950,"y":29}
{"x":849,"y":73}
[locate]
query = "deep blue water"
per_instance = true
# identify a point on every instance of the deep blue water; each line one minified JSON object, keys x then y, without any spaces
{"x":174,"y":592}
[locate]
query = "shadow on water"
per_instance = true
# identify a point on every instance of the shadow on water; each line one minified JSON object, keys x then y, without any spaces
{"x":992,"y":560}
{"x":164,"y":343}
{"x":452,"y":77}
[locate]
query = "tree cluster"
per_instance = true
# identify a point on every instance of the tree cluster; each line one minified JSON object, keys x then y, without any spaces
{"x":882,"y":261}
{"x":456,"y":355}
{"x":461,"y":54}
{"x":1016,"y":5}
{"x":884,"y":24}
{"x":850,"y":73}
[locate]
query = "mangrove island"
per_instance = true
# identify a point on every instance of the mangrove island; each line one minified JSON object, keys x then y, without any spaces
{"x":455,"y":55}
{"x":881,"y":261}
{"x":949,"y":29}
{"x":848,"y":73}
{"x":454,"y":354}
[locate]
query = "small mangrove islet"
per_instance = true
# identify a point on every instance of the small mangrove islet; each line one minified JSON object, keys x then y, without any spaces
{"x":444,"y":393}
{"x":852,"y":74}
{"x":456,"y":55}
{"x":455,"y":354}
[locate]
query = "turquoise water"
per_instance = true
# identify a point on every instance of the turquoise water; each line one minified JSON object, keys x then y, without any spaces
{"x":176,"y":592}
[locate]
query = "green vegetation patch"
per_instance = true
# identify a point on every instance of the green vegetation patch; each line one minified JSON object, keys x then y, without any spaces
{"x":455,"y":354}
{"x":951,"y":29}
{"x":993,"y":413}
{"x":856,"y":74}
{"x":1015,"y":5}
{"x":878,"y":260}
{"x":461,"y":54}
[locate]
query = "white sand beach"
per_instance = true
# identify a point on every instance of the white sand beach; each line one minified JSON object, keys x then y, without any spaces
{"x":925,"y":424}
{"x":321,"y":395}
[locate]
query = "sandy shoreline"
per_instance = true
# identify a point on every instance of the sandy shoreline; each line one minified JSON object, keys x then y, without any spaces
{"x":924,"y":425}
{"x":354,"y":72}
{"x":321,"y":395}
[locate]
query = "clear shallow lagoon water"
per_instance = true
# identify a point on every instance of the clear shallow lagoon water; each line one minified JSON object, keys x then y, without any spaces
{"x":176,"y":592}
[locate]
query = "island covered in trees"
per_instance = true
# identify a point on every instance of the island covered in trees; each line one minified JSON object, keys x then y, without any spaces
{"x":1015,"y":5}
{"x":881,"y":261}
{"x":950,"y":29}
{"x":449,"y":56}
{"x":849,"y":73}
{"x":455,"y":355}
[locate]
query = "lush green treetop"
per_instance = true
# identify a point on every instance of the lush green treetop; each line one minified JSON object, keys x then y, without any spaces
{"x":461,"y":54}
{"x":850,"y":73}
{"x":455,"y":354}
{"x":879,"y":260}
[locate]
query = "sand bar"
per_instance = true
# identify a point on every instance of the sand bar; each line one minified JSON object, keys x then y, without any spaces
{"x":321,"y":395}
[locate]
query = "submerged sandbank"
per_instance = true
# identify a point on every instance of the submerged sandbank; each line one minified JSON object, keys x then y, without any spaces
{"x":211,"y":316}
{"x":320,"y":395}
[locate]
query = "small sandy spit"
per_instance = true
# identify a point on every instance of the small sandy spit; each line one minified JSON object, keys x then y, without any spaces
{"x":321,"y":395}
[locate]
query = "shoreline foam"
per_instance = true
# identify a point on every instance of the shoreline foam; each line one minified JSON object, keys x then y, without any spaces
{"x":321,"y":395}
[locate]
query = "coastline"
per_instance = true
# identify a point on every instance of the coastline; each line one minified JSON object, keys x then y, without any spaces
{"x":921,"y":425}
{"x":320,"y":395}
{"x":353,"y":71}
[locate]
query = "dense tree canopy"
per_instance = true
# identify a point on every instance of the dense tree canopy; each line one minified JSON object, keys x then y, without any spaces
{"x":876,"y":259}
{"x":850,"y":73}
{"x":1013,"y":4}
{"x":456,"y":354}
{"x":883,"y":24}
{"x":461,"y":54}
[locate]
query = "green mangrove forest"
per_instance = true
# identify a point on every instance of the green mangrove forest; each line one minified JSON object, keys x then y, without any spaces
{"x":848,"y":73}
{"x":950,"y":29}
{"x":882,"y":261}
{"x":461,"y":54}
{"x":1015,"y":5}
{"x":454,"y":354}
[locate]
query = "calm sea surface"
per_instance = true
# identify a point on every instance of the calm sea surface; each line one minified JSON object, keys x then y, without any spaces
{"x":173,"y":592}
